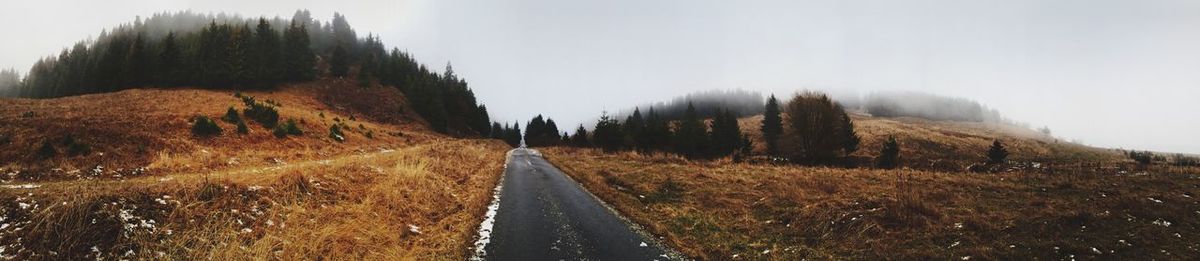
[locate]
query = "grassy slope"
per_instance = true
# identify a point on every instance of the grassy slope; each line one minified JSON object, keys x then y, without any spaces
{"x":723,"y":210}
{"x":406,"y":193}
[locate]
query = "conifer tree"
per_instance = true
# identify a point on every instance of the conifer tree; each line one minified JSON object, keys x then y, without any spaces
{"x":997,"y":153}
{"x":889,"y":154}
{"x":170,"y":62}
{"x":580,"y":138}
{"x":607,"y":134}
{"x":339,"y":63}
{"x":691,"y":137}
{"x":772,"y":125}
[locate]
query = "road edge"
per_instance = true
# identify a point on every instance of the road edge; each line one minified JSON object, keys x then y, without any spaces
{"x":671,"y":253}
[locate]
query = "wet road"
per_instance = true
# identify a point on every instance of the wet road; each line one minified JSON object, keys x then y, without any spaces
{"x":544,"y":215}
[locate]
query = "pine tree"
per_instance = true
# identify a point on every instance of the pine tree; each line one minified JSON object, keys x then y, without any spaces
{"x":726,"y":135}
{"x":889,"y":154}
{"x":635,"y":130}
{"x":580,"y":138}
{"x":497,"y":131}
{"x":267,"y":54}
{"x":691,"y":137}
{"x":170,"y":62}
{"x":997,"y":153}
{"x":339,"y":63}
{"x":299,"y":60}
{"x":850,"y":139}
{"x":772,"y":125}
{"x":657,"y":133}
{"x":607,"y":134}
{"x":239,"y":56}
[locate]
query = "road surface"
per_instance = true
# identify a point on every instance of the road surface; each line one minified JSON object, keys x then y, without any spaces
{"x":544,"y":215}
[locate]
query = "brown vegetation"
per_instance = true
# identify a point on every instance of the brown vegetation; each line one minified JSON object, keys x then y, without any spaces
{"x":724,"y":210}
{"x":149,"y":189}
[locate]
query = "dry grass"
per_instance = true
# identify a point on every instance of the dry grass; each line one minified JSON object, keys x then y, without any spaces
{"x":149,"y":129}
{"x":722,"y":210}
{"x":953,"y":146}
{"x":150,"y":190}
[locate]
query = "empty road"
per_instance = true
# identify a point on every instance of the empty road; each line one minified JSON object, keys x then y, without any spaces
{"x":544,"y":215}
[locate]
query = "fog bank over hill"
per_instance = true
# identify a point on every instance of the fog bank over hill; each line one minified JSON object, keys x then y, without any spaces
{"x":1111,"y":73}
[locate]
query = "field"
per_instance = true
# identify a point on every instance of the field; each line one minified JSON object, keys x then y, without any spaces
{"x":149,"y":189}
{"x":1039,"y":205}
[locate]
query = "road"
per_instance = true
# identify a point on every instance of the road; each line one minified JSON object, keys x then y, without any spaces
{"x":544,"y":215}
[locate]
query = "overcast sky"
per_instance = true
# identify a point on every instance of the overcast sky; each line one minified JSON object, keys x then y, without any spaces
{"x":1110,"y":73}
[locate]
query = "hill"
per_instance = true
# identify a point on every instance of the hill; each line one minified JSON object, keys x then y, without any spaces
{"x":956,"y":145}
{"x":148,"y":188}
{"x":1051,"y":200}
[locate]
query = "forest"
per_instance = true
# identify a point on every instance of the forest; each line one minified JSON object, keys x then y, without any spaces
{"x":186,"y":49}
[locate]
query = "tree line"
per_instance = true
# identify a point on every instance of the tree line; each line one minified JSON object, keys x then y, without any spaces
{"x":221,"y":51}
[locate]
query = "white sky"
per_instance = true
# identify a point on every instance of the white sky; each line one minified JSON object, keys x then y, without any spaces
{"x":1109,"y":72}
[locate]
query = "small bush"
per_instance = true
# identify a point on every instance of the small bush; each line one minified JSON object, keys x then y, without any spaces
{"x":203,"y":126}
{"x":371,"y":134}
{"x":1142,"y":157}
{"x":291,"y":128}
{"x":287,"y":128}
{"x":5,"y":139}
{"x":335,"y":133}
{"x":889,"y":154}
{"x":997,"y":153}
{"x":279,"y":131}
{"x":46,"y":151}
{"x":231,"y":116}
{"x":263,"y":113}
{"x":75,"y":147}
{"x":241,"y":127}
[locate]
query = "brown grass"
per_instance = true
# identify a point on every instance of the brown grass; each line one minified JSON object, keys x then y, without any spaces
{"x":746,"y":211}
{"x":953,"y":146}
{"x":160,"y":193}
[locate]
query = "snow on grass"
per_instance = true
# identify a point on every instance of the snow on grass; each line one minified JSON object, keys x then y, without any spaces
{"x":22,"y":186}
{"x":489,"y":221}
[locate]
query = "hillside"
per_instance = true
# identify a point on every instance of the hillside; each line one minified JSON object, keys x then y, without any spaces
{"x":1095,"y":202}
{"x":954,"y":146}
{"x":148,"y":188}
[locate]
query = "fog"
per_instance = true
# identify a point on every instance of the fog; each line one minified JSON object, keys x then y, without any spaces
{"x":1107,"y":72}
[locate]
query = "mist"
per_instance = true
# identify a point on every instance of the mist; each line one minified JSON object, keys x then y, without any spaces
{"x":1109,"y":73}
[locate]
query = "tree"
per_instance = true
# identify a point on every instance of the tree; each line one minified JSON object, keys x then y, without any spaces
{"x":889,"y":154}
{"x":657,"y":133}
{"x":635,"y":130}
{"x":817,"y":130}
{"x":849,"y":136}
{"x":267,"y":58}
{"x":607,"y":134}
{"x":726,"y":134}
{"x":497,"y":131}
{"x":997,"y":153}
{"x":580,"y":138}
{"x":691,"y":137}
{"x":170,"y":62}
{"x":298,"y":58}
{"x":772,"y":125}
{"x":339,"y":63}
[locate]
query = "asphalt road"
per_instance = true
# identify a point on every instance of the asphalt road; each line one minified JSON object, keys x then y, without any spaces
{"x":544,"y":215}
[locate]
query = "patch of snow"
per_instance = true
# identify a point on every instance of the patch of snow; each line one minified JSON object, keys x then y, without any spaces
{"x":22,"y":186}
{"x":643,"y":244}
{"x":1155,"y":200}
{"x":414,"y":229}
{"x":1161,"y":222}
{"x":489,"y":220}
